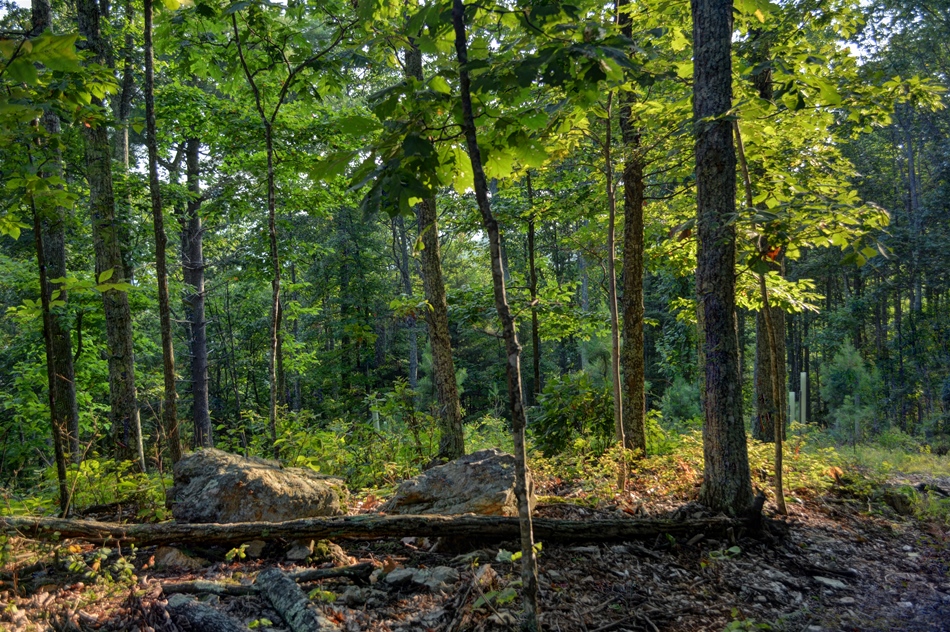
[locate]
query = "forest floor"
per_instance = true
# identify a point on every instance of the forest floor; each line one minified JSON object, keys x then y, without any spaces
{"x":837,"y":562}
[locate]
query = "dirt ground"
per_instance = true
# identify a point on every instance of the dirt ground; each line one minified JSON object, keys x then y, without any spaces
{"x":835,"y":563}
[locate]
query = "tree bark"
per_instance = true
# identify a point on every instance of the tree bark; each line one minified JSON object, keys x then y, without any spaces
{"x":612,"y":292}
{"x":766,"y":405}
{"x":369,"y":526}
{"x":57,"y":424}
{"x":634,"y":372}
{"x":291,"y":603}
{"x":53,"y":238}
{"x":726,"y":483}
{"x":401,"y":240}
{"x":451,"y":440}
{"x":529,"y":562}
{"x":536,"y":385}
{"x":170,"y":407}
{"x":124,"y":413}
{"x":193,"y":270}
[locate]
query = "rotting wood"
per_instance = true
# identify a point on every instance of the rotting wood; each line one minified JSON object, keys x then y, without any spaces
{"x":373,"y":526}
{"x":204,"y":587}
{"x":291,"y":603}
{"x":202,"y":617}
{"x":359,"y":573}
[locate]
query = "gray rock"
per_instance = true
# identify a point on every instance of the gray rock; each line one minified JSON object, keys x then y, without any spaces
{"x":216,"y":486}
{"x":438,"y":579}
{"x":480,"y":483}
{"x":830,"y":583}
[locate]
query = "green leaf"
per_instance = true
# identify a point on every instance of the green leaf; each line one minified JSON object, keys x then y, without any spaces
{"x":440,"y":85}
{"x":171,"y":5}
{"x":106,"y":275}
{"x":22,"y":70}
{"x":356,"y":125}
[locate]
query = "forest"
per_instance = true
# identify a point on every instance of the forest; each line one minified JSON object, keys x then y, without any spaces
{"x":688,"y":251}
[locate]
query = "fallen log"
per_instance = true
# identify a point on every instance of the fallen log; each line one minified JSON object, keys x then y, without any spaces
{"x":291,"y":603}
{"x":205,"y":587}
{"x":367,"y":526}
{"x":358,"y":573}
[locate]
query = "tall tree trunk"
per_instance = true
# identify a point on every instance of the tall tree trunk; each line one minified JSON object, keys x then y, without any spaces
{"x":57,"y":423}
{"x":766,"y":405}
{"x":275,"y":313}
{"x":451,"y":440}
{"x":53,"y":239}
{"x":401,"y":245}
{"x":170,"y":408}
{"x":612,"y":289}
{"x":193,"y":270}
{"x":124,"y":413}
{"x":529,"y":561}
{"x":536,"y":385}
{"x":634,"y":372}
{"x":726,"y":482}
{"x":776,"y":385}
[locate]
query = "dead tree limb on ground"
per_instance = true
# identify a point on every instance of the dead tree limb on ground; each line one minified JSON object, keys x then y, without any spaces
{"x":370,"y":526}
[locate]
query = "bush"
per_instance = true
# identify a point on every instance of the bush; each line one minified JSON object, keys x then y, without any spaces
{"x":681,"y":403}
{"x":572,"y":407}
{"x":851,"y":391}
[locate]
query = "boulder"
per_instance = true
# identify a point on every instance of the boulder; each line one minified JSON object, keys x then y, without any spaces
{"x":216,"y":486}
{"x":482,"y":483}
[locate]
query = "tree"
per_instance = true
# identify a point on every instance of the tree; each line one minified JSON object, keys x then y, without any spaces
{"x":123,"y":405}
{"x":727,"y":485}
{"x":529,"y":564}
{"x":634,"y":395}
{"x":170,"y":407}
{"x":53,"y":237}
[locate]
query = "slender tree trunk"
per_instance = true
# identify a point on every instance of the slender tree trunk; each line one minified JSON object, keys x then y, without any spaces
{"x":193,"y":270}
{"x":529,"y":562}
{"x":612,"y":288}
{"x":451,"y":440}
{"x":272,"y":241}
{"x":170,"y":408}
{"x":124,"y":413}
{"x":57,"y":423}
{"x":536,"y":385}
{"x":401,"y":240}
{"x":726,"y":482}
{"x":53,"y":239}
{"x":634,"y":372}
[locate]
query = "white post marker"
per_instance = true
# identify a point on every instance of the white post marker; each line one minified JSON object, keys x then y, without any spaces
{"x":791,"y":406}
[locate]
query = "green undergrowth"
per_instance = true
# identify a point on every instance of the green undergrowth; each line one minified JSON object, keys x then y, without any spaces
{"x":676,"y":472}
{"x":94,"y":482}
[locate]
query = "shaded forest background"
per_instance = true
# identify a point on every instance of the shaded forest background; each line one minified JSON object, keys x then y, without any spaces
{"x":847,"y":149}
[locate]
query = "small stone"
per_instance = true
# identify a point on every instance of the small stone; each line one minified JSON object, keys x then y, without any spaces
{"x":846,"y":601}
{"x":438,"y":579}
{"x":170,"y":557}
{"x":400,"y":576}
{"x":554,"y":575}
{"x":907,"y":547}
{"x":354,"y":596}
{"x":300,"y":551}
{"x":905,"y":604}
{"x":760,"y":598}
{"x":255,"y":548}
{"x":831,"y":583}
